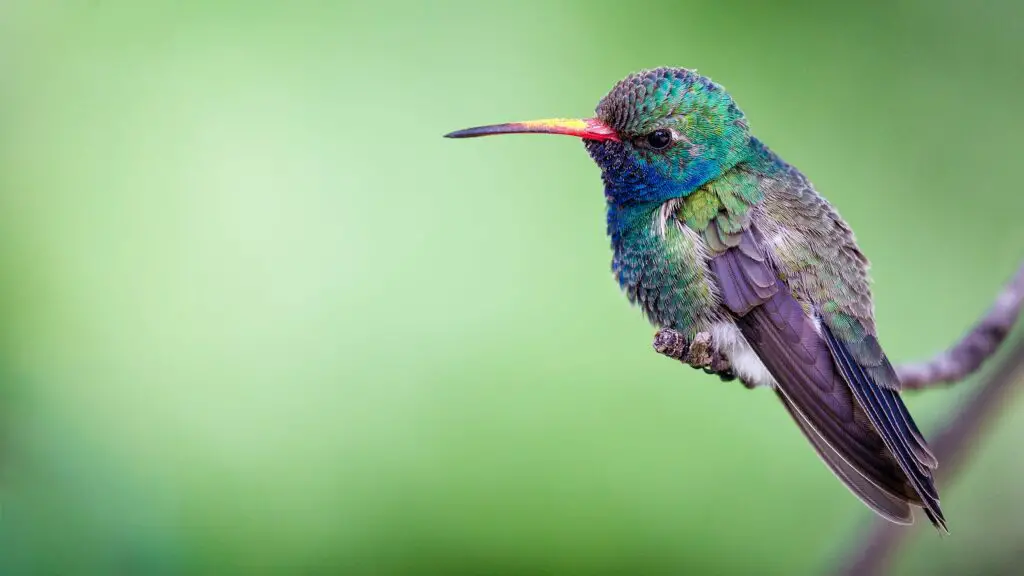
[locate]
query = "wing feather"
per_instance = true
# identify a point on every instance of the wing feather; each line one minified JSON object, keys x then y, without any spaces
{"x":861,"y":430}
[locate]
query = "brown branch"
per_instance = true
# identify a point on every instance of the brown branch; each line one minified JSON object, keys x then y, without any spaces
{"x":876,"y":550}
{"x":974,"y":348}
{"x":698,"y":353}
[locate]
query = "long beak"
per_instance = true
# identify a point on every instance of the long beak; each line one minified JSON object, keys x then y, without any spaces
{"x":590,"y":129}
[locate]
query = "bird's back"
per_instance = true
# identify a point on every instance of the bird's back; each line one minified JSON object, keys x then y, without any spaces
{"x":813,"y":246}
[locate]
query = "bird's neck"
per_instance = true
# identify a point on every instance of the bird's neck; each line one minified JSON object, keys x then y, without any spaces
{"x":729,"y":195}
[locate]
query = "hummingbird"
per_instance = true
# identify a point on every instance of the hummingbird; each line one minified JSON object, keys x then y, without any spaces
{"x":713,"y":234}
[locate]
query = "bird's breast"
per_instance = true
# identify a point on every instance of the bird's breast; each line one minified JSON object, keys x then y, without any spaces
{"x":662,"y":266}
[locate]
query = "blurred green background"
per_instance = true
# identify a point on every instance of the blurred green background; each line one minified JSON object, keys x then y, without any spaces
{"x":259,"y":317}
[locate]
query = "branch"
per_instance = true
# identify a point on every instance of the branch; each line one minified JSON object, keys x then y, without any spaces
{"x":873,"y":554}
{"x":698,"y":353}
{"x":974,"y":348}
{"x":876,"y":549}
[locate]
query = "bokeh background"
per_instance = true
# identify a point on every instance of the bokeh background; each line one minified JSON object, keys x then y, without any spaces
{"x":259,"y":317}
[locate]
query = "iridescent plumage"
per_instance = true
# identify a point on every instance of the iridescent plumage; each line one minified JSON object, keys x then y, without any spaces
{"x":714,"y":233}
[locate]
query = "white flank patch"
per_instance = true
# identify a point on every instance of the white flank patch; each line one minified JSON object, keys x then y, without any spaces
{"x":745,"y":363}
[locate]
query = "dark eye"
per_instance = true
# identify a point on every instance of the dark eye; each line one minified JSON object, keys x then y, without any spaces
{"x":659,"y":139}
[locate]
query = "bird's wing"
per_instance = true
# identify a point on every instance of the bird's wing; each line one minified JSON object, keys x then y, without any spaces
{"x":843,"y":411}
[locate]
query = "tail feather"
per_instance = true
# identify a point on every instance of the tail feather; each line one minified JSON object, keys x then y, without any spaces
{"x":886,"y":504}
{"x":889,"y":416}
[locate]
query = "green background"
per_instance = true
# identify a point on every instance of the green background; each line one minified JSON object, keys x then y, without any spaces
{"x":259,"y":317}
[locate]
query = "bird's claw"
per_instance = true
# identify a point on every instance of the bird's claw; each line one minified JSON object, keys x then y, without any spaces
{"x":699,"y":352}
{"x":671,"y":343}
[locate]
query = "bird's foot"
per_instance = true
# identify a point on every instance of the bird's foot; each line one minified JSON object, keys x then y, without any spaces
{"x":699,"y":353}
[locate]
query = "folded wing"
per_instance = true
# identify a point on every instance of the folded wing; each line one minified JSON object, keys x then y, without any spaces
{"x":861,"y":430}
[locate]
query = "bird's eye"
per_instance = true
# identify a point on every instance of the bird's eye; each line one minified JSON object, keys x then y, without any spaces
{"x":659,"y":139}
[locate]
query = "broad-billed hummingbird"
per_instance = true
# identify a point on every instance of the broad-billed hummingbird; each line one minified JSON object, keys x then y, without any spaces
{"x":715,"y":235}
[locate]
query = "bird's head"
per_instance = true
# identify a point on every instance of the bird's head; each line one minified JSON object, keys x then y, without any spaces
{"x":658,"y":134}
